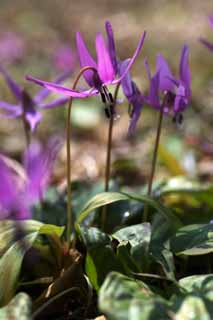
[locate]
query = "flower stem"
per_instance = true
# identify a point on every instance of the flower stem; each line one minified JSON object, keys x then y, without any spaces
{"x":154,"y":159}
{"x":108,"y":155}
{"x":68,"y":147}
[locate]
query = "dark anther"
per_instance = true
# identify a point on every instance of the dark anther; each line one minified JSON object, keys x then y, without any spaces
{"x":178,"y":118}
{"x":107,"y":113}
{"x":103,"y":97}
{"x":111,"y":97}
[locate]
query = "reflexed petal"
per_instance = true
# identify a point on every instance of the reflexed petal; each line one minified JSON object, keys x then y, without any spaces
{"x":85,"y":59}
{"x":11,"y":204}
{"x":165,"y":74}
{"x":9,"y":107}
{"x":137,"y":107}
{"x":53,"y":104}
{"x":184,"y":70}
{"x":206,"y":43}
{"x":14,"y":87}
{"x":154,"y":99}
{"x":132,"y":60}
{"x":105,"y":68}
{"x":126,"y":82}
{"x":63,"y":90}
{"x":38,"y":162}
{"x":111,"y":45}
{"x":42,"y":94}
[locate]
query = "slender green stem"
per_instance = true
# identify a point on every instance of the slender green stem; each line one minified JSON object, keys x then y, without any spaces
{"x":68,"y":146}
{"x":154,"y":159}
{"x":108,"y":154}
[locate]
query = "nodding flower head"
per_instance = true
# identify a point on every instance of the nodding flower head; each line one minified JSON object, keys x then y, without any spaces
{"x":176,"y":91}
{"x":103,"y":71}
{"x":27,"y":105}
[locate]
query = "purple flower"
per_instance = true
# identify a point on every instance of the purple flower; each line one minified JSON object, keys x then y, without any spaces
{"x":12,"y":47}
{"x":133,"y":95}
{"x":206,"y":43}
{"x":64,"y":58}
{"x":105,"y":66}
{"x":177,"y":90}
{"x":26,"y":104}
{"x":17,"y":198}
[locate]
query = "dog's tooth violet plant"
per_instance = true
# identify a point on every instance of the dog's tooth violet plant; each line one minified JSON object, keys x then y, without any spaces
{"x":98,"y":75}
{"x":27,"y":106}
{"x":170,"y":95}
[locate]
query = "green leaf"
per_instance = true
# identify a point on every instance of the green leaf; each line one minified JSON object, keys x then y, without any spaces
{"x":199,"y":284}
{"x":10,"y":266}
{"x":196,"y":239}
{"x":19,"y":308}
{"x":13,"y":252}
{"x":105,"y":198}
{"x":188,"y":198}
{"x":123,"y":298}
{"x":162,"y":230}
{"x":101,"y":258}
{"x":139,"y":238}
{"x":192,"y":308}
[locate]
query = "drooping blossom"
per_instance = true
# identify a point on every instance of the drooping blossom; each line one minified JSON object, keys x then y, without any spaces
{"x":26,"y":104}
{"x":134,"y":97}
{"x":17,"y":198}
{"x":176,"y":90}
{"x":64,"y":58}
{"x":12,"y":47}
{"x":205,"y":42}
{"x":105,"y":68}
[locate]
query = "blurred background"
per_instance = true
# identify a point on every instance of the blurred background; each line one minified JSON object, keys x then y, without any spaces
{"x":37,"y":37}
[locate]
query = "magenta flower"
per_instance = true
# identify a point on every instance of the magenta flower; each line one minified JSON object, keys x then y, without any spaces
{"x":64,"y":58}
{"x":177,"y":90}
{"x":105,"y":66}
{"x":26,"y":104}
{"x":17,"y":197}
{"x":134,"y":97}
{"x":206,"y":43}
{"x":12,"y":47}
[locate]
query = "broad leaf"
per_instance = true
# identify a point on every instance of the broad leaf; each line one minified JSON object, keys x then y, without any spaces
{"x":19,"y":308}
{"x":196,"y":239}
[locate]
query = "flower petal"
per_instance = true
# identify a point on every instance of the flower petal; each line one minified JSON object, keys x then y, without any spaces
{"x":184,"y":70}
{"x":42,"y":94}
{"x":165,"y":74}
{"x":63,"y":90}
{"x":111,"y":46}
{"x":85,"y":59}
{"x":153,"y":97}
{"x":38,"y":162}
{"x":53,"y":104}
{"x":206,"y":43}
{"x":132,"y":60}
{"x":126,"y":82}
{"x":14,"y":87}
{"x":105,"y":68}
{"x":137,"y":104}
{"x":9,"y":107}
